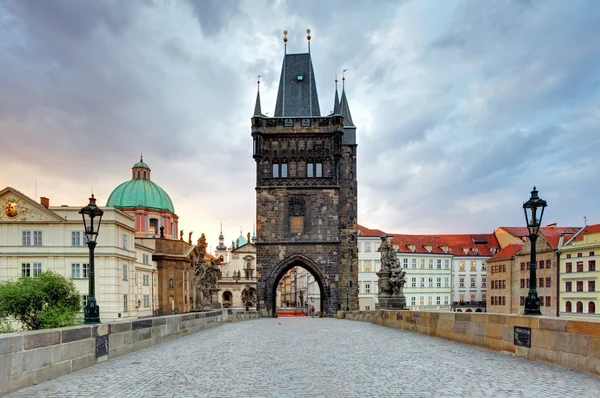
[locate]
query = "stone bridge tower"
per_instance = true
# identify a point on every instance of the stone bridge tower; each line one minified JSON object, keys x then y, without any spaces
{"x":306,"y":190}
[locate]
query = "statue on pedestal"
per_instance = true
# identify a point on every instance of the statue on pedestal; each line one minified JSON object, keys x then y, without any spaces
{"x":391,"y":278}
{"x":206,"y":278}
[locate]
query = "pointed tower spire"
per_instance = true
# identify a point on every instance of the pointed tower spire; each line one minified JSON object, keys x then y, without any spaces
{"x":345,"y":108}
{"x":336,"y":100}
{"x":257,"y":108}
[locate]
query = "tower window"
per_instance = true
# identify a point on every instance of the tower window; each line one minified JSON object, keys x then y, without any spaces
{"x":310,"y":170}
{"x":275,"y":170}
{"x":138,"y":174}
{"x":319,"y":169}
{"x":314,"y":170}
{"x":284,"y":170}
{"x":144,"y":175}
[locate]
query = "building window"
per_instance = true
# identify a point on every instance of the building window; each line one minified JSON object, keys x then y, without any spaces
{"x":153,"y":228}
{"x":146,"y":280}
{"x":473,"y":282}
{"x":275,"y":170}
{"x":319,"y":170}
{"x":579,"y":266}
{"x":413,"y":263}
{"x":438,"y":282}
{"x":592,"y":265}
{"x":367,"y":288}
{"x":430,"y":282}
{"x":541,"y":282}
{"x":438,"y":300}
{"x":579,"y":306}
{"x":422,"y":284}
{"x":541,"y":264}
{"x":368,"y":247}
{"x":484,"y":283}
{"x":461,"y":265}
{"x":284,"y":170}
{"x":541,"y":301}
{"x":413,"y":282}
{"x":125,"y":303}
{"x":37,"y":269}
{"x":84,"y":299}
{"x":548,"y":301}
{"x":569,"y":255}
{"x":522,"y":300}
{"x":439,"y":263}
{"x":413,"y":301}
{"x":430,"y":263}
{"x":145,"y":258}
{"x":568,"y":286}
{"x":484,"y":266}
{"x":568,"y":306}
{"x":591,"y":286}
{"x":26,"y":238}
{"x":568,"y":267}
{"x":473,"y":265}
{"x":446,"y":282}
{"x":405,"y":263}
{"x":124,"y":272}
{"x":77,"y":238}
{"x":26,"y":269}
{"x":37,"y":238}
{"x":124,"y":241}
{"x":548,"y":282}
{"x":446,"y":300}
{"x":75,"y":271}
{"x":446,"y":263}
{"x":591,"y":254}
{"x":548,"y":263}
{"x":522,"y":266}
{"x":522,"y":283}
{"x":310,"y":170}
{"x":146,"y":300}
{"x":429,"y":300}
{"x":579,"y":254}
{"x":367,"y":266}
{"x":591,"y":308}
{"x":422,"y":263}
{"x":422,"y":300}
{"x":461,"y":282}
{"x":86,"y":270}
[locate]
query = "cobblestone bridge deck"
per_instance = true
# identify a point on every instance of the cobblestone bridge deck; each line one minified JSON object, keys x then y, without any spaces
{"x":311,"y":357}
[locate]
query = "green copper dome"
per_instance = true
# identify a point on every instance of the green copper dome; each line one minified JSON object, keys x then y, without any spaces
{"x":140,"y":192}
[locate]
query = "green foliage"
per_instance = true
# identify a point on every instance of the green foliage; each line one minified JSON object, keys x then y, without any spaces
{"x":46,"y":301}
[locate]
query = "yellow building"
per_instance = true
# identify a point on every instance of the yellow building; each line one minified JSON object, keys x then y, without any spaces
{"x":579,"y":274}
{"x":36,"y":237}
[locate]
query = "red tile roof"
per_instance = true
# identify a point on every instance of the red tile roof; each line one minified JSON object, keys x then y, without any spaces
{"x":522,"y":232}
{"x":455,"y":244}
{"x":364,"y":231}
{"x":507,"y":252}
{"x":590,"y":229}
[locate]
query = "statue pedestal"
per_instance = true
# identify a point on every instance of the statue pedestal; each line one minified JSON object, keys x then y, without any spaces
{"x":392,"y":303}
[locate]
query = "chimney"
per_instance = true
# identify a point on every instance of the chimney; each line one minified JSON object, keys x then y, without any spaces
{"x":44,"y":202}
{"x":552,"y":225}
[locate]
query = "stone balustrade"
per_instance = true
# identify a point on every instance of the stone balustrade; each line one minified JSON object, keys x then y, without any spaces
{"x":570,"y":343}
{"x":32,"y":357}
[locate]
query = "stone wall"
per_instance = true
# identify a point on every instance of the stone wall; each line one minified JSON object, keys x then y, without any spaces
{"x":28,"y":358}
{"x":570,"y":343}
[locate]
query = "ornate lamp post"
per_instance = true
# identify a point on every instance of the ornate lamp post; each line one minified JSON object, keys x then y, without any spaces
{"x":347,"y":296}
{"x":92,"y":216}
{"x":247,"y":297}
{"x":532,"y":301}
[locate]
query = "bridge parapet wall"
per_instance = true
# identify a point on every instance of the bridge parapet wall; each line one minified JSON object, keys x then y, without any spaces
{"x":32,"y":357}
{"x":570,"y":343}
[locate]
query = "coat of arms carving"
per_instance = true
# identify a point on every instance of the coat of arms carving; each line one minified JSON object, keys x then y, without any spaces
{"x":296,"y":205}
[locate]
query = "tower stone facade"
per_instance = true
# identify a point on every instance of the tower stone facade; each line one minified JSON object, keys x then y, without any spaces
{"x":306,"y":190}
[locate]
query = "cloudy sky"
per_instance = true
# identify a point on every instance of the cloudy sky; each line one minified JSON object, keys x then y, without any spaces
{"x":461,"y":106}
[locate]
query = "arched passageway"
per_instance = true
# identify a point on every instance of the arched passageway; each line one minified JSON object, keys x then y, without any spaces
{"x":311,"y":294}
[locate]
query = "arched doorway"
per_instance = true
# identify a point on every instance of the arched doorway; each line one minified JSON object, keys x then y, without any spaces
{"x":227,"y":299}
{"x":568,"y":306}
{"x":579,"y":306}
{"x":279,"y":272}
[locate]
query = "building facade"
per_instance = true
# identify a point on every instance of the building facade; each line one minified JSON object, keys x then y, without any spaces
{"x":306,"y":189}
{"x":578,"y":260}
{"x":500,"y":268}
{"x":369,"y":263}
{"x":36,"y":237}
{"x":237,"y":284}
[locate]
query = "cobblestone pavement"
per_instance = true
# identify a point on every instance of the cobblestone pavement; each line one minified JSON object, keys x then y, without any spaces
{"x":311,"y":357}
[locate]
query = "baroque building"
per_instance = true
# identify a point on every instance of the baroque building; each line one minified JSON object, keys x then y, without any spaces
{"x":306,"y":189}
{"x":36,"y":237}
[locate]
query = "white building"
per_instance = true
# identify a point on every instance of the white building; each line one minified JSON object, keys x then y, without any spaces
{"x":369,"y":263}
{"x":37,"y":237}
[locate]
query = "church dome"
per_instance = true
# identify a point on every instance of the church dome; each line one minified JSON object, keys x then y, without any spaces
{"x":140,"y":192}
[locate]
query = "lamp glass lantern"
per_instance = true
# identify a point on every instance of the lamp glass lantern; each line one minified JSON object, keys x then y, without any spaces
{"x":531,"y":209}
{"x":92,"y":217}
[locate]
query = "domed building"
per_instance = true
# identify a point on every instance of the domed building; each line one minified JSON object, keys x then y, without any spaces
{"x":147,"y":202}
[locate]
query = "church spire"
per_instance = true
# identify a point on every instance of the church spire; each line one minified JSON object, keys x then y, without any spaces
{"x":345,"y":108}
{"x":336,"y":101}
{"x":257,"y":108}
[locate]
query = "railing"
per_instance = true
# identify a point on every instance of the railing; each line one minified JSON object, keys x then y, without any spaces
{"x":469,"y":303}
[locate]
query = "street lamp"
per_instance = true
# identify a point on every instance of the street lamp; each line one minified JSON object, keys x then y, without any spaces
{"x":347,"y":296}
{"x":247,"y":297}
{"x":92,"y":216}
{"x":530,"y":208}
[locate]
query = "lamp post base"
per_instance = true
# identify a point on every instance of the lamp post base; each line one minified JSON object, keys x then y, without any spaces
{"x":532,"y":305}
{"x":91,"y":312}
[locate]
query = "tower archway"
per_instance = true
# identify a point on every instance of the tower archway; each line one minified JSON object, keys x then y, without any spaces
{"x":277,"y":273}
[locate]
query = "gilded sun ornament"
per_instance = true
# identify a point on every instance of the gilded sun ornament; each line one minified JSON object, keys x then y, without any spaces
{"x":11,"y":210}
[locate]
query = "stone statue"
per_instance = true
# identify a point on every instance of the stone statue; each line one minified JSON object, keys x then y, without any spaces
{"x":206,"y":278}
{"x":162,"y":232}
{"x":301,"y":298}
{"x":391,"y":278}
{"x":181,"y":235}
{"x":190,"y":237}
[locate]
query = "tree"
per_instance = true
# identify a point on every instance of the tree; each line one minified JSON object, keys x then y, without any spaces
{"x":43,"y":302}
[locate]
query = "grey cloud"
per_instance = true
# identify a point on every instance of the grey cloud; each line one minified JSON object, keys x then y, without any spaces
{"x":214,"y":15}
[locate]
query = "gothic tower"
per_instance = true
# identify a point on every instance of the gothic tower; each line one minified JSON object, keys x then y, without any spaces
{"x":306,"y":190}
